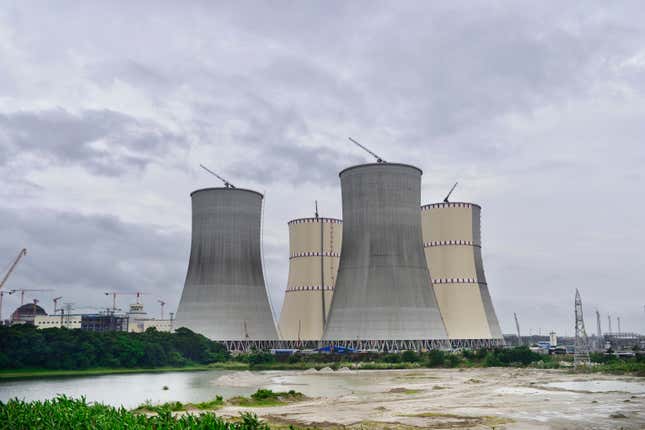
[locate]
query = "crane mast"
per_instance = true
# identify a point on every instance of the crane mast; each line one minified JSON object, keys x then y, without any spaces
{"x":445,"y":200}
{"x":227,"y":184}
{"x":378,"y":158}
{"x":21,"y":254}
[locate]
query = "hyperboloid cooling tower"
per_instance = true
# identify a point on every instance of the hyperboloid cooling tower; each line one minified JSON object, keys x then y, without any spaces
{"x":224,"y":296}
{"x":452,"y":241}
{"x":383,"y":291}
{"x":314,"y":248}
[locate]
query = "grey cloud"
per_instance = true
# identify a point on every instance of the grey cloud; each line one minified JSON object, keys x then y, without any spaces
{"x":102,"y":141}
{"x":82,"y":256}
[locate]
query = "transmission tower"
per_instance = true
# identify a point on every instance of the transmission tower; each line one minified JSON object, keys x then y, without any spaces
{"x":581,"y":348}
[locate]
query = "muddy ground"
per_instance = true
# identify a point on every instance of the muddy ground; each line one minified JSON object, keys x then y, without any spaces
{"x":451,"y":399}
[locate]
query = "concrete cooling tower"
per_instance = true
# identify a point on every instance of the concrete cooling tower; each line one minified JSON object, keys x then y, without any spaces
{"x":314,"y":248}
{"x":452,"y":241}
{"x":383,"y":291}
{"x":224,"y":297}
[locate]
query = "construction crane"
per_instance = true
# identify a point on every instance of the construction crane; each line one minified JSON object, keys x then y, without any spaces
{"x":517,"y":326}
{"x":2,"y":293}
{"x":162,"y":303}
{"x":445,"y":200}
{"x":56,"y":304}
{"x":227,"y":184}
{"x":120,"y":293}
{"x":30,"y":290}
{"x":378,"y":158}
{"x":21,"y":254}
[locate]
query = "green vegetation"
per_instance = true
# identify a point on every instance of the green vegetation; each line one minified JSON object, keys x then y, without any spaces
{"x":264,"y":397}
{"x":47,"y":373}
{"x":25,"y":347}
{"x":65,"y":413}
{"x":28,"y":352}
{"x":148,"y":407}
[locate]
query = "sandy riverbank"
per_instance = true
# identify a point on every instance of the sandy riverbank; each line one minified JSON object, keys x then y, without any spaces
{"x":498,"y":398}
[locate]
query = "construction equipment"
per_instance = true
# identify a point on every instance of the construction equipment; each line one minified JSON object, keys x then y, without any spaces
{"x":581,"y":346}
{"x":30,"y":290}
{"x":378,"y":158}
{"x":517,"y":326}
{"x":162,"y":303}
{"x":445,"y":200}
{"x":227,"y":184}
{"x":21,"y":254}
{"x":121,"y":293}
{"x":2,"y":293}
{"x":55,"y":300}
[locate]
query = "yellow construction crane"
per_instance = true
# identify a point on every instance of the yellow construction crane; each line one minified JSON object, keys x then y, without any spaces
{"x":21,"y":254}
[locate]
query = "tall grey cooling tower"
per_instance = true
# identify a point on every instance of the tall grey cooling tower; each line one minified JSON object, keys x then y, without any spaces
{"x":383,"y":288}
{"x":224,"y":296}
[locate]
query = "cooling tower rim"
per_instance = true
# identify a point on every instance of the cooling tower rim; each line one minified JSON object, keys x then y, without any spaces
{"x":227,"y":189}
{"x":313,"y":219}
{"x":442,"y":205}
{"x":380,"y":165}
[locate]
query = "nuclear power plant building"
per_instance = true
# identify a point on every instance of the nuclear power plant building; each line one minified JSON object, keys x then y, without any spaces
{"x":383,"y":291}
{"x":224,"y":296}
{"x":452,"y":242}
{"x":314,"y":253}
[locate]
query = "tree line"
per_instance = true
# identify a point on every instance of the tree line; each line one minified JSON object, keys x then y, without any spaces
{"x":26,"y":347}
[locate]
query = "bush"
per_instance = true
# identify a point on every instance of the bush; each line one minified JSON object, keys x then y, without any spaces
{"x":436,"y":358}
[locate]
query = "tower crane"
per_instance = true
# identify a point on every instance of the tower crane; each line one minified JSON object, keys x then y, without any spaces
{"x":21,"y":254}
{"x":378,"y":158}
{"x":517,"y":326}
{"x":227,"y":184}
{"x":30,"y":290}
{"x":445,"y":200}
{"x":2,"y":293}
{"x":55,"y":300}
{"x":162,"y":303}
{"x":121,"y":293}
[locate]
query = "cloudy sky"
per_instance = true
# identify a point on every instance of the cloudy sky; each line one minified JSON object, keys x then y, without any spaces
{"x":537,"y":109}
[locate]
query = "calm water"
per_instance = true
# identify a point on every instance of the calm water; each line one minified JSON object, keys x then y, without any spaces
{"x":131,"y":390}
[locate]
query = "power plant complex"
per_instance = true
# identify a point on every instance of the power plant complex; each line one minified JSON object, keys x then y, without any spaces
{"x":392,"y":275}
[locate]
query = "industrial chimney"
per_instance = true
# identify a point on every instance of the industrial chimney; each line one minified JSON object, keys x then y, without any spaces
{"x":452,"y":242}
{"x":314,"y":248}
{"x":383,"y":291}
{"x":224,"y":297}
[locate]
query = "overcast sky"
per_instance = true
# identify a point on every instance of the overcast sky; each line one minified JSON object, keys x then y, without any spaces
{"x":536,"y":108}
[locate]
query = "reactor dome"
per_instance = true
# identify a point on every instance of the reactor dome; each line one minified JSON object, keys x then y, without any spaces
{"x":26,"y":313}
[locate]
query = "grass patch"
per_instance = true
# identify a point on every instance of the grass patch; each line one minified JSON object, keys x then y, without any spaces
{"x":212,"y":405}
{"x":263,"y":397}
{"x":402,"y":390}
{"x":50,"y":373}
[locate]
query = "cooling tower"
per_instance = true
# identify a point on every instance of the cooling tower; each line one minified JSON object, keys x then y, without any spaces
{"x":224,"y":296}
{"x":452,"y":241}
{"x":383,"y":290}
{"x":314,"y":251}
